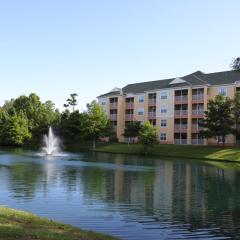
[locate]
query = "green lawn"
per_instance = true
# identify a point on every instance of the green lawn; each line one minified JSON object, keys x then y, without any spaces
{"x":26,"y":226}
{"x":179,"y":151}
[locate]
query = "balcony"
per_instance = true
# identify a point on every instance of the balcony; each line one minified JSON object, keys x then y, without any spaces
{"x":113,"y":117}
{"x":152,"y":101}
{"x":151,"y":115}
{"x":197,"y":112}
{"x":181,"y":99}
{"x":180,"y":141}
{"x":197,"y":141}
{"x":114,"y":105}
{"x":180,"y":128}
{"x":129,"y":105}
{"x":198,"y":97}
{"x":129,"y":117}
{"x":196,"y":127}
{"x":181,"y":113}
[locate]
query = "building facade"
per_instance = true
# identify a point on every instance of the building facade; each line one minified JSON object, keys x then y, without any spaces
{"x":174,"y":106}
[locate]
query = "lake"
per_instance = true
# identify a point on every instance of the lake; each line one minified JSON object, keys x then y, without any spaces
{"x":131,"y":197}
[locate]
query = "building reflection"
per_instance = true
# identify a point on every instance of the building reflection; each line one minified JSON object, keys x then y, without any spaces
{"x":168,"y":191}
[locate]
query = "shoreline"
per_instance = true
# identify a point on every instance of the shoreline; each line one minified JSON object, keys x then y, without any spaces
{"x":18,"y":224}
{"x":200,"y":153}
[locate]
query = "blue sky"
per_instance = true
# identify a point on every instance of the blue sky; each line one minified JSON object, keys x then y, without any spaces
{"x":57,"y":47}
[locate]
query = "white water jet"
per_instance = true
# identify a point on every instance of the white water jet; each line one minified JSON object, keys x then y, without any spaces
{"x":51,"y":143}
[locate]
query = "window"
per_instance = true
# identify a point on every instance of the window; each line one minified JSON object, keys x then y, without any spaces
{"x":164,"y":95}
{"x":163,"y":136}
{"x":104,"y":101}
{"x":220,"y":139}
{"x":163,"y":122}
{"x":164,"y":109}
{"x":141,"y":99}
{"x":141,"y":111}
{"x":222,"y":91}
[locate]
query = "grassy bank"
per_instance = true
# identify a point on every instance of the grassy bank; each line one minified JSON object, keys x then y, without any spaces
{"x":25,"y":226}
{"x":178,"y":151}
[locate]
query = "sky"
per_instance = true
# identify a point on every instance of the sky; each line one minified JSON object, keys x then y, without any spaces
{"x":58,"y":47}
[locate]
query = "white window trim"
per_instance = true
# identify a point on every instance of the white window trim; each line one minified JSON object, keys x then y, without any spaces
{"x":140,"y":110}
{"x":161,"y":123}
{"x":221,"y":139}
{"x":165,"y":94}
{"x":164,"y":107}
{"x":220,"y":92}
{"x":161,"y":136}
{"x":139,"y":97}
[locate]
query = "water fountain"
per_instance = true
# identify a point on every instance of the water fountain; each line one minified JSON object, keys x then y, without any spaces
{"x":51,"y":143}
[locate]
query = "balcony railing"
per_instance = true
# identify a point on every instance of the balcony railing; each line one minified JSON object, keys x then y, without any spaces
{"x":181,"y":98}
{"x":129,"y":105}
{"x":152,"y":101}
{"x":197,"y":112}
{"x":195,"y":126}
{"x":114,"y":105}
{"x":113,"y":117}
{"x":180,"y":126}
{"x":181,"y":112}
{"x":197,"y":141}
{"x":180,"y":141}
{"x":151,"y":114}
{"x":198,"y":97}
{"x":129,"y":117}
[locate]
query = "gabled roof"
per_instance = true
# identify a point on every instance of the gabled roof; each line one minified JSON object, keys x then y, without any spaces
{"x":193,"y":79}
{"x":177,"y":80}
{"x":112,"y":93}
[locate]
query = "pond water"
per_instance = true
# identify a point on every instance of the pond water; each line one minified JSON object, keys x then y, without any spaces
{"x":130,"y":197}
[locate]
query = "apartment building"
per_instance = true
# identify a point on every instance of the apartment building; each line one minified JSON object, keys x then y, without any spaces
{"x":174,"y":106}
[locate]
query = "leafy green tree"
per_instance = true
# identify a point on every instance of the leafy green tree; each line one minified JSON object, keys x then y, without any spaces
{"x":132,"y":130}
{"x":218,"y":120}
{"x":96,"y":121}
{"x":109,"y":132}
{"x":148,"y":136}
{"x":39,"y":115}
{"x":8,"y":106}
{"x":13,"y":129}
{"x":236,"y":64}
{"x":72,"y":101}
{"x":236,"y":115}
{"x":72,"y":125}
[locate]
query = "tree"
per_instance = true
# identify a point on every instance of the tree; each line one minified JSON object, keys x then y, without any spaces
{"x":96,"y":121}
{"x":218,"y":119}
{"x":148,"y":136}
{"x":39,"y":115}
{"x":236,"y":64}
{"x":236,"y":115}
{"x":13,"y":129}
{"x":109,"y":132}
{"x":132,"y":130}
{"x":72,"y":125}
{"x":72,"y":101}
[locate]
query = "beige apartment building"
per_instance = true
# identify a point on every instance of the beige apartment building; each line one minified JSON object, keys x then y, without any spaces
{"x":174,"y":106}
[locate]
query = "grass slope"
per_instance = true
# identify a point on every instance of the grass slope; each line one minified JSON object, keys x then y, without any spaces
{"x":26,"y":226}
{"x":180,"y":151}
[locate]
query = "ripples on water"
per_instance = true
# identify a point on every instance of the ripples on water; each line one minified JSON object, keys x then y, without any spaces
{"x":126,"y":196}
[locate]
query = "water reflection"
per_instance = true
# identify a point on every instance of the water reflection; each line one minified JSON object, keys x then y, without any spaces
{"x":128,"y":196}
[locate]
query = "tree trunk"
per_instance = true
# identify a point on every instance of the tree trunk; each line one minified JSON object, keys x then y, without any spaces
{"x":94,"y":143}
{"x":223,"y":141}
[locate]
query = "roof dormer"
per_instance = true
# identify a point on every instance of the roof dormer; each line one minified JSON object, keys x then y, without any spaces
{"x":177,"y":80}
